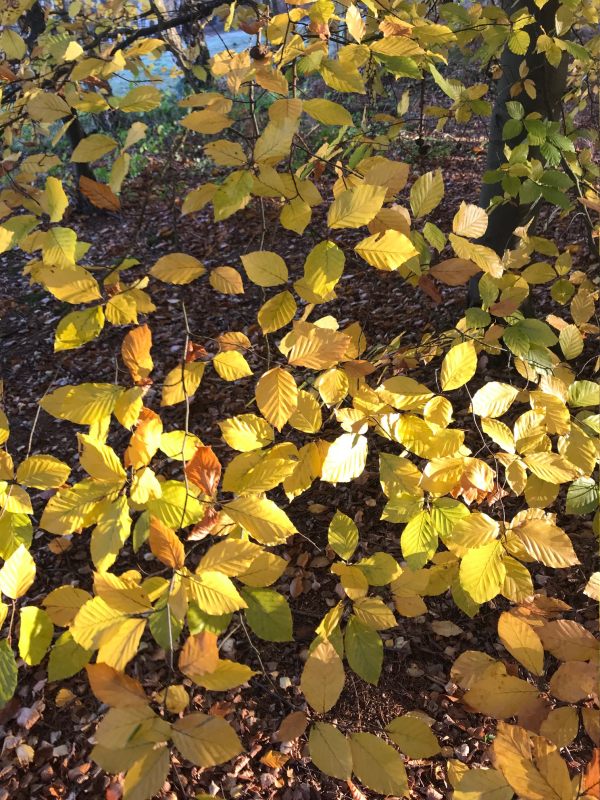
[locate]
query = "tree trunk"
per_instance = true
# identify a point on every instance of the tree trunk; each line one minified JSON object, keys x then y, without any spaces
{"x":550,"y":85}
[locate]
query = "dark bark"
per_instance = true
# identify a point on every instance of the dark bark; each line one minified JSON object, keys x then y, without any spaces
{"x":550,"y":84}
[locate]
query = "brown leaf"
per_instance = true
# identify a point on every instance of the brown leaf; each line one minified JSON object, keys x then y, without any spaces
{"x":99,"y":194}
{"x":292,"y":727}
{"x":454,"y":271}
{"x":430,"y":289}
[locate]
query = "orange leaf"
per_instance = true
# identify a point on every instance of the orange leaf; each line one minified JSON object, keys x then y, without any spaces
{"x":199,"y":655}
{"x":115,"y":688}
{"x":591,"y":778}
{"x":166,"y":545}
{"x":204,"y":469}
{"x":99,"y":194}
{"x":135,"y":352}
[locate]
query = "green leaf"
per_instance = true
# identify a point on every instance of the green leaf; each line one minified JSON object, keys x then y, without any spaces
{"x":342,"y":535}
{"x":67,"y":658}
{"x":364,"y":650}
{"x":583,"y":496}
{"x":268,"y":614}
{"x":35,"y":634}
{"x":8,"y":673}
{"x":419,"y":540}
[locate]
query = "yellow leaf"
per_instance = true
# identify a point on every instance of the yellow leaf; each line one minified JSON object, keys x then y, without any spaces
{"x":17,"y":573}
{"x":85,"y":404}
{"x":231,"y":365}
{"x":355,"y":24}
{"x":63,"y":603}
{"x":227,"y":675}
{"x":43,"y":472}
{"x":54,"y":199}
{"x":387,"y":250}
{"x":500,"y":696}
{"x":313,"y":347}
{"x":121,"y":645}
{"x":530,"y":764}
{"x":226,"y":280}
{"x":99,"y":460}
{"x":277,"y":396}
{"x":561,"y":726}
{"x":277,"y":312}
{"x":177,"y":268}
{"x":226,"y":154}
{"x":92,"y":148}
{"x":323,"y":677}
{"x":413,"y":736}
{"x":47,"y":107}
{"x":265,"y":268}
{"x":246,"y":432}
{"x":214,"y":592}
{"x":206,"y":121}
{"x":522,"y":642}
{"x":262,"y":518}
{"x":327,"y":112}
{"x":330,"y":751}
{"x":78,"y":328}
{"x":378,"y":765}
{"x":547,"y":543}
{"x":35,"y":634}
{"x":139,"y":99}
{"x":182,"y":383}
{"x":482,"y":784}
{"x":459,"y":366}
{"x":146,"y":776}
{"x":374,"y":613}
{"x":494,"y":399}
{"x":574,"y":681}
{"x":470,"y":221}
{"x":482,"y":571}
{"x":356,"y":207}
{"x":345,"y":459}
{"x":551,"y":467}
{"x":205,"y":740}
{"x":426,"y":193}
{"x":307,"y":416}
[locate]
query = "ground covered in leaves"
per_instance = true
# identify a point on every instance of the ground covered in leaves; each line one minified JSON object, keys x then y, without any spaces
{"x":58,"y":722}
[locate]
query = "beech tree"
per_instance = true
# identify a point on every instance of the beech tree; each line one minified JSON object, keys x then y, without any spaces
{"x":305,"y":121}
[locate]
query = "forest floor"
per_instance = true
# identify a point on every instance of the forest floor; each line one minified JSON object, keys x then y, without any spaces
{"x":59,"y":724}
